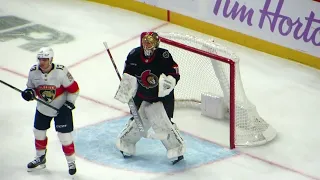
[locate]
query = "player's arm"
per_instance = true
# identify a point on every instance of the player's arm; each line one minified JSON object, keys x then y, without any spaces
{"x":174,"y":71}
{"x":71,"y":87}
{"x":29,"y":93}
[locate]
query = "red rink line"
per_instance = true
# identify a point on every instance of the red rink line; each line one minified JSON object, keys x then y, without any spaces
{"x":243,"y":153}
{"x":104,"y":104}
{"x":13,"y":72}
{"x":124,"y":111}
{"x":82,"y":96}
{"x":282,"y":167}
{"x":112,"y":47}
{"x":90,"y":58}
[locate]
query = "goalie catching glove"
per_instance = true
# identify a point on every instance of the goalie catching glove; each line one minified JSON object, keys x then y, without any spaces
{"x":127,"y":88}
{"x":166,"y":85}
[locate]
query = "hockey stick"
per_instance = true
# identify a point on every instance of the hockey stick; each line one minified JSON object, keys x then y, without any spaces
{"x":40,"y":101}
{"x":133,"y":107}
{"x":131,"y":104}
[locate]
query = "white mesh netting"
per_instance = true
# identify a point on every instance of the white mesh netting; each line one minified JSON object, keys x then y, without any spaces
{"x":201,"y":74}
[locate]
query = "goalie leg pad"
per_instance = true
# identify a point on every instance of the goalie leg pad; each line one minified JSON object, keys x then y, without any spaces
{"x":174,"y":144}
{"x":130,"y":135}
{"x":160,"y":123}
{"x":128,"y":138}
{"x":143,"y":116}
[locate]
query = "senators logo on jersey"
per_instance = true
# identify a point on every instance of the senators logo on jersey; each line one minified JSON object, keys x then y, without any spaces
{"x":47,"y":92}
{"x":148,"y":79}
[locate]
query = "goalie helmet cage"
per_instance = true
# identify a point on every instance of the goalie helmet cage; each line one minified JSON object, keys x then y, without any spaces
{"x":209,"y":68}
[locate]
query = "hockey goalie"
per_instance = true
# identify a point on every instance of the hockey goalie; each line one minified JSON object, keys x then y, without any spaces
{"x":149,"y":78}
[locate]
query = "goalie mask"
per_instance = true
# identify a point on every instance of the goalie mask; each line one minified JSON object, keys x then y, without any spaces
{"x":149,"y":42}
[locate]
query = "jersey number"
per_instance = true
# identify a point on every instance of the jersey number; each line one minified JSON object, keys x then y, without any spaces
{"x":60,"y":67}
{"x":33,"y":68}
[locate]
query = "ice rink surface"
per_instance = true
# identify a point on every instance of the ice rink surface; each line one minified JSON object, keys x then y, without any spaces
{"x":285,"y":93}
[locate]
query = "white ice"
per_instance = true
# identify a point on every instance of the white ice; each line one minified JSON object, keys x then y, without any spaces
{"x":286,"y":95}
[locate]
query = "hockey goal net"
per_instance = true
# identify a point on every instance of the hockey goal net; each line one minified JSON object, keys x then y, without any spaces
{"x":211,"y":70}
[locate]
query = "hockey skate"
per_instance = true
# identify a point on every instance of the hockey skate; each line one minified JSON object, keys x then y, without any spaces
{"x":177,"y":160}
{"x":37,"y":163}
{"x":72,"y":168}
{"x":125,"y":155}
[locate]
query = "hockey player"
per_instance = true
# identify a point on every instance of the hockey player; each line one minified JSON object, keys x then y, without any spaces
{"x":53,"y":84}
{"x":150,"y":76}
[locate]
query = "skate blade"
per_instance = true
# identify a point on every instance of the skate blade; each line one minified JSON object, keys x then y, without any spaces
{"x":36,"y":168}
{"x":177,"y":160}
{"x":71,"y":177}
{"x":125,"y":155}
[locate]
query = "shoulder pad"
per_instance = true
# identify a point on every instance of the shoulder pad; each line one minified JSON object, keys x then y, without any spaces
{"x":164,"y":53}
{"x":134,"y":51}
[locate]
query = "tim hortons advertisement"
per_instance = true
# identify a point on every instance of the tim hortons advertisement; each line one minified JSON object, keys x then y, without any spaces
{"x":292,"y":23}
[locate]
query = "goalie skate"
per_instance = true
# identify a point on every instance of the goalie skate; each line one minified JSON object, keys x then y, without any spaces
{"x":177,"y":160}
{"x":125,"y":155}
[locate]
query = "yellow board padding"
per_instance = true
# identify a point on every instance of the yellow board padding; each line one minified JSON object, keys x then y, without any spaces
{"x":136,"y":6}
{"x":245,"y":40}
{"x":216,"y":31}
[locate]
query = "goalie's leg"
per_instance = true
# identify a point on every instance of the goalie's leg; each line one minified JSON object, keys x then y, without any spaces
{"x":130,"y":135}
{"x":160,"y":122}
{"x":128,"y":138}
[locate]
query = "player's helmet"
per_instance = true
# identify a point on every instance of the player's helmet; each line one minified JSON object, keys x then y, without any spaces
{"x":45,"y":52}
{"x":150,"y":42}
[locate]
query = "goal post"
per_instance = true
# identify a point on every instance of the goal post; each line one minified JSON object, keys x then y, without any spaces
{"x":211,"y":81}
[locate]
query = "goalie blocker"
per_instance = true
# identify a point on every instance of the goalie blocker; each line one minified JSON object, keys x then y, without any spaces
{"x":150,"y":76}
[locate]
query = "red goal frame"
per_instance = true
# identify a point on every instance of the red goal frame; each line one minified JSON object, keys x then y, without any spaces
{"x":232,"y":79}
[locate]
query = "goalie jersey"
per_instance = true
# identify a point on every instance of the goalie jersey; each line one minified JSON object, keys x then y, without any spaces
{"x":148,"y":70}
{"x":55,"y":87}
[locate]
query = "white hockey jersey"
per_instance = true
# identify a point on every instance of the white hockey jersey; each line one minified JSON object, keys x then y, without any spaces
{"x":55,"y":87}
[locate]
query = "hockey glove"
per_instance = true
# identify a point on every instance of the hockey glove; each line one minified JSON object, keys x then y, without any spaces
{"x":28,"y":94}
{"x":127,"y":88}
{"x":166,"y":85}
{"x":67,"y":106}
{"x":65,"y":112}
{"x":66,"y":109}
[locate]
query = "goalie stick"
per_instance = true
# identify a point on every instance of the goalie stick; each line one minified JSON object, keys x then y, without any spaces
{"x":39,"y":100}
{"x":133,"y":107}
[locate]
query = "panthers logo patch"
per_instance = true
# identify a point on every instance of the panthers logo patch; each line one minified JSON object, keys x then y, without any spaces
{"x":148,"y":79}
{"x":47,"y":92}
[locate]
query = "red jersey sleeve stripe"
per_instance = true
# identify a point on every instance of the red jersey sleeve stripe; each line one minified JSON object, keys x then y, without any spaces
{"x":73,"y":88}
